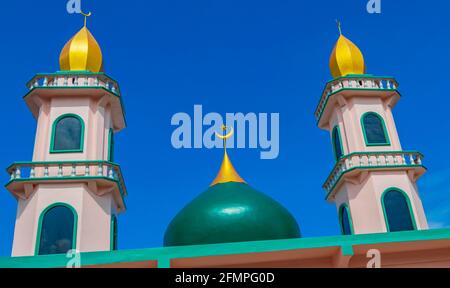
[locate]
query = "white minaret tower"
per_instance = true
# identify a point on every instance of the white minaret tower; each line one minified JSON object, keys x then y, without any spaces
{"x":373,"y":183}
{"x":69,"y":195}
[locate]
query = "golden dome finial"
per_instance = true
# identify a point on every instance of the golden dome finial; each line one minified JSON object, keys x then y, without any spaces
{"x":346,"y":57}
{"x":227,"y":173}
{"x":82,"y":52}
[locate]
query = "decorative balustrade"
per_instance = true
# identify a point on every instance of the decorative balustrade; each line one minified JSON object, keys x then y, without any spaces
{"x":74,"y":80}
{"x":23,"y":171}
{"x":367,"y":160}
{"x":351,"y":82}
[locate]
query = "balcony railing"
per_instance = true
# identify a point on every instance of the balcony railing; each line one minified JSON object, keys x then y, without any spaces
{"x":62,"y":170}
{"x":369,"y":160}
{"x":62,"y":80}
{"x":355,"y":83}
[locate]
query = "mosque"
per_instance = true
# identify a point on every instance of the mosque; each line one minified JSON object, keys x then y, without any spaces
{"x":71,"y":193}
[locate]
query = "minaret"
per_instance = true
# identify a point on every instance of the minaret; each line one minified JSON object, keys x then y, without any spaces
{"x":373,"y":183}
{"x":69,"y":195}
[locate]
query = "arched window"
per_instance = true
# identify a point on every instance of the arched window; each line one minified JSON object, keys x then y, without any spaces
{"x":397,"y":211}
{"x":57,"y":230}
{"x":68,"y":134}
{"x":111,"y":145}
{"x":337,"y":143}
{"x":374,"y":130}
{"x":345,"y":220}
{"x":114,"y":232}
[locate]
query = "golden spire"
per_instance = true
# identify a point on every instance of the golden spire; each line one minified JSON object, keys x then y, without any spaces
{"x":227,"y":173}
{"x":339,"y":26}
{"x":82,"y":52}
{"x":346,"y":57}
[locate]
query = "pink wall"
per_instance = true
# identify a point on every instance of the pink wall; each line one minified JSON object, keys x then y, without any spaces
{"x":91,"y":235}
{"x":97,"y":120}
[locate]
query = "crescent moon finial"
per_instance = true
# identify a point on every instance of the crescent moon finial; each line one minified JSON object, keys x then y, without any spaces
{"x":86,"y":15}
{"x":225,"y":136}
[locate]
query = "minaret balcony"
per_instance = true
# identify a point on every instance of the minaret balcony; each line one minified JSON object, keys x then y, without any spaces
{"x":102,"y":177}
{"x":353,"y":167}
{"x":74,"y":80}
{"x":69,"y":84}
{"x":355,"y":85}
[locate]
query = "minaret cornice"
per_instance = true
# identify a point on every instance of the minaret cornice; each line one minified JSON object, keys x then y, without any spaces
{"x":354,"y":167}
{"x":79,"y":84}
{"x":364,"y":85}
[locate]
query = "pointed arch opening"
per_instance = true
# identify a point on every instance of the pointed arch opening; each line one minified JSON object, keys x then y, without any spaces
{"x":57,"y":230}
{"x":114,"y":233}
{"x":345,"y":220}
{"x":374,"y":130}
{"x":338,"y":149}
{"x":67,"y":134}
{"x":398,"y":211}
{"x":111,"y":145}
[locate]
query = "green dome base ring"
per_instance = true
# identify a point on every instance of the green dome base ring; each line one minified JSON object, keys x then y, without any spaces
{"x":231,"y":212}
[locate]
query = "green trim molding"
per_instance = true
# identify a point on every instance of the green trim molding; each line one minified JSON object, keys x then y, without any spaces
{"x":80,"y":72}
{"x":383,"y":124}
{"x":164,"y":255}
{"x":74,"y":87}
{"x":408,"y":202}
{"x":41,"y":219}
{"x":362,"y":76}
{"x":350,"y":219}
{"x":82,"y":134}
{"x":389,"y":152}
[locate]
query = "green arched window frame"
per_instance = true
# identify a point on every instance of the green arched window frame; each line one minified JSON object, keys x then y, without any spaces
{"x":337,"y":133}
{"x":341,"y":218}
{"x":383,"y":124}
{"x":111,"y":145}
{"x":55,"y":123}
{"x":114,"y":233}
{"x":408,"y":202}
{"x":41,"y":219}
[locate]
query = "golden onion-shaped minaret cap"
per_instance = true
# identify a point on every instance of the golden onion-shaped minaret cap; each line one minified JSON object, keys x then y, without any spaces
{"x":227,"y":173}
{"x":82,"y":53}
{"x":346,"y":58}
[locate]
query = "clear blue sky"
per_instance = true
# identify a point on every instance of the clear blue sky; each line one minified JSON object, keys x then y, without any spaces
{"x":232,"y":56}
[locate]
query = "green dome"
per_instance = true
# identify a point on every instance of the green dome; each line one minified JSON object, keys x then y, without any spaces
{"x":230,"y":212}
